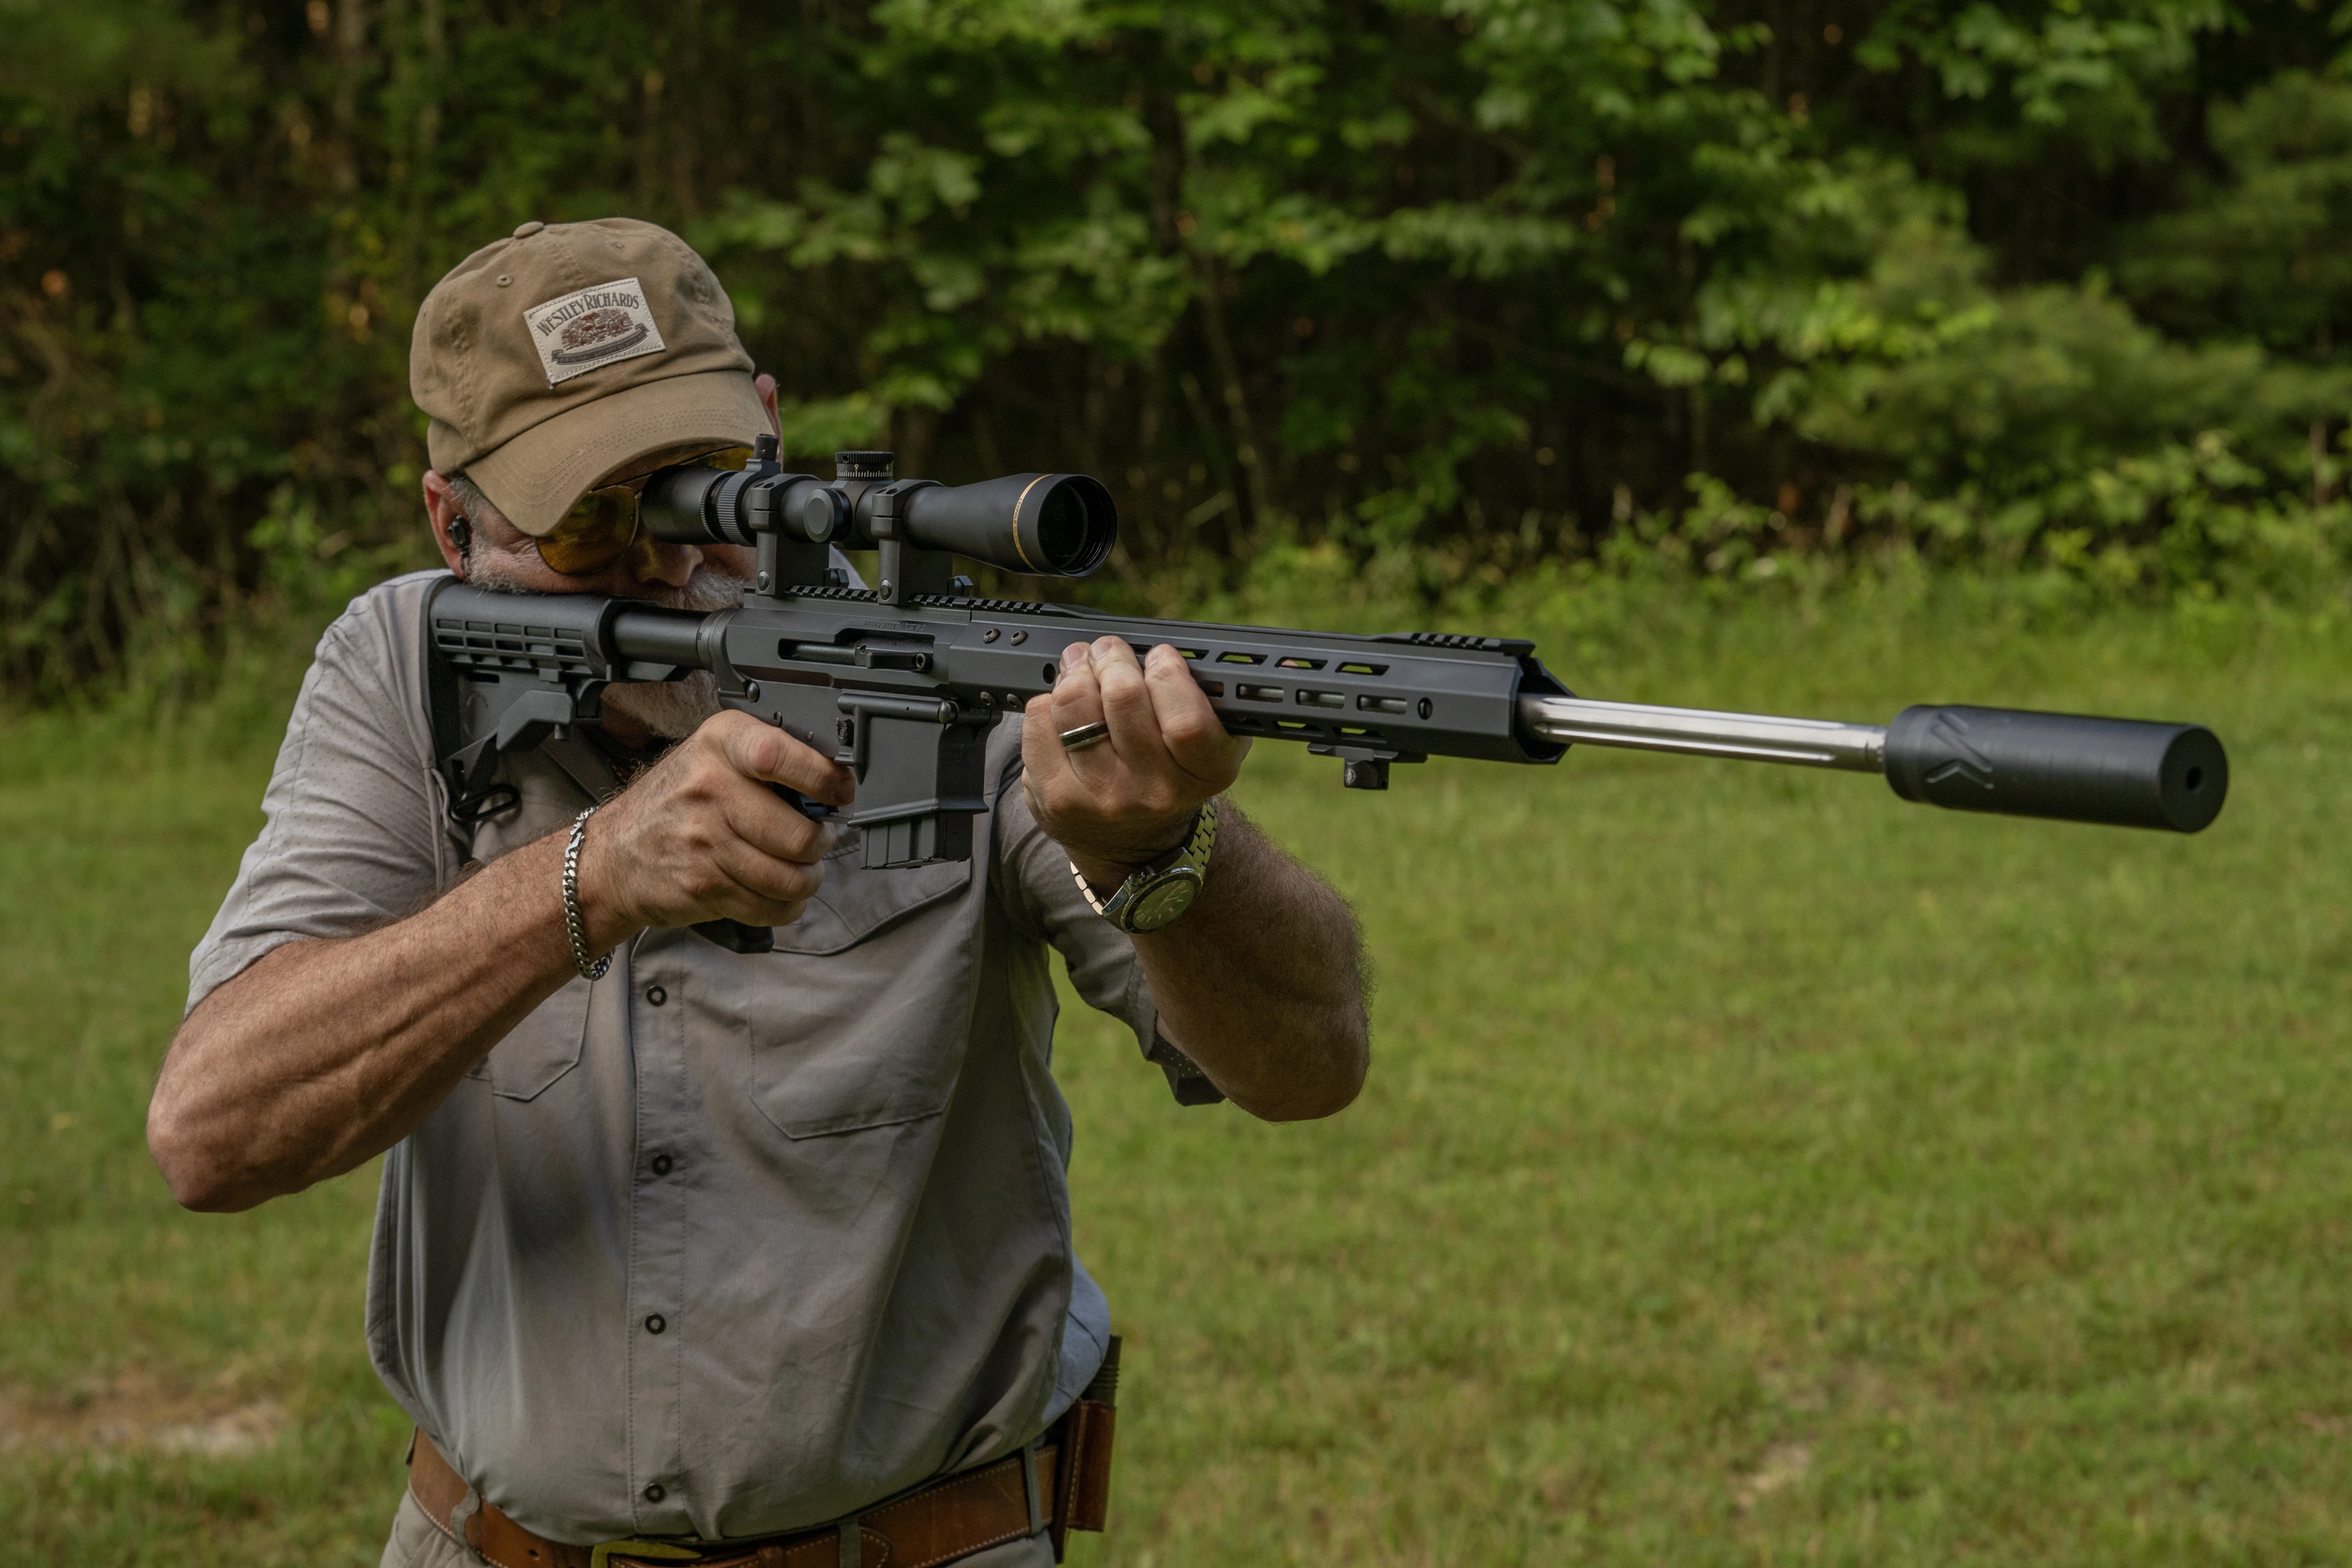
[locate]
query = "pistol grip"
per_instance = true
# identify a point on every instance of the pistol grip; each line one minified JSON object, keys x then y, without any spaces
{"x":737,"y":937}
{"x":734,"y":935}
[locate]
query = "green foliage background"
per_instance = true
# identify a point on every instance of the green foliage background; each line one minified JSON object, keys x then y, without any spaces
{"x":1431,"y":289}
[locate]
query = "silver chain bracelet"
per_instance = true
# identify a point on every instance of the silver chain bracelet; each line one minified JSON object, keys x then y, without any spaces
{"x":572,"y":925}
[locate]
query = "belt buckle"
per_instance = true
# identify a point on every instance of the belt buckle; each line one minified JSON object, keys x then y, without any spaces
{"x":664,"y":1550}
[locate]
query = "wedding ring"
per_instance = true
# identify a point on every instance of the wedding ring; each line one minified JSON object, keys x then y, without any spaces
{"x":1085,"y":736}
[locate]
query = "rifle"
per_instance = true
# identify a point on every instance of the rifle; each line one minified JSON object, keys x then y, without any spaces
{"x":903,"y":682}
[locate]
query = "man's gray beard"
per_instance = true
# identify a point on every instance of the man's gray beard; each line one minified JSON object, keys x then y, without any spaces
{"x":672,"y":709}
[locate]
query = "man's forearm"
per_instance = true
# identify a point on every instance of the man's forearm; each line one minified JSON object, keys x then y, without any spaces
{"x":1261,"y":982}
{"x":324,"y":1054}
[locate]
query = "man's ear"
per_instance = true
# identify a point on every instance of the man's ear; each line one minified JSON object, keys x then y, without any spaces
{"x":451,"y":530}
{"x":766,"y":388}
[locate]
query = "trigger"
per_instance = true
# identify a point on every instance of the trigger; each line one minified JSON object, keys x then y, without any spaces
{"x":814,"y":810}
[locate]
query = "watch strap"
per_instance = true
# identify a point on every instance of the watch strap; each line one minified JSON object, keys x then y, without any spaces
{"x":1192,"y":855}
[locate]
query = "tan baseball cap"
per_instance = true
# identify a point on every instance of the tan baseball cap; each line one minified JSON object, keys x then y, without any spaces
{"x":547,"y":360}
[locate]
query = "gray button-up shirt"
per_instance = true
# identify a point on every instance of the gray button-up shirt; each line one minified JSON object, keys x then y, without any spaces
{"x":722,"y":1245}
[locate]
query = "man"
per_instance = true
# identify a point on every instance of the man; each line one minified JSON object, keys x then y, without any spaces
{"x":704,"y":1247}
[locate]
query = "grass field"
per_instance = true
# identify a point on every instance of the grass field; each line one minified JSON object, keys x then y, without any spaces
{"x":1754,"y":1168}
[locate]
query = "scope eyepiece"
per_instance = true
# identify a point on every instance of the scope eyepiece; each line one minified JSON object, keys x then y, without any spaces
{"x":694,"y":505}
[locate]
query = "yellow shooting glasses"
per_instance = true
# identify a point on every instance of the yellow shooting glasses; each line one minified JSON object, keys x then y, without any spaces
{"x":604,"y":525}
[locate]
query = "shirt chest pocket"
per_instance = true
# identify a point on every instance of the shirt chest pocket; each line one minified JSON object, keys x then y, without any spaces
{"x":541,"y":1048}
{"x":858,"y":1019}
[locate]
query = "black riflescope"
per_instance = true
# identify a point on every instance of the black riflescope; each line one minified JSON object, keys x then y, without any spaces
{"x":1047,"y":525}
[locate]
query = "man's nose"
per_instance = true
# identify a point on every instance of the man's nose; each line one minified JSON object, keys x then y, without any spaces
{"x":659,"y":561}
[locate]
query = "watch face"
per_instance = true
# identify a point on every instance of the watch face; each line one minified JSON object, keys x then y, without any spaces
{"x":1161,"y":903}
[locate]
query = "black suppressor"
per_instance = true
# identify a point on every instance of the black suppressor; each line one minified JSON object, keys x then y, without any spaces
{"x":2127,"y":773}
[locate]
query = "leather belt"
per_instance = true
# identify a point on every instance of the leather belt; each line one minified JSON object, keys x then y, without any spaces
{"x":950,"y":1518}
{"x":1059,"y":1485}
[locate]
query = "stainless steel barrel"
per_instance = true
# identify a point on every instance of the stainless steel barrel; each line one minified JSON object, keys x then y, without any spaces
{"x":1700,"y":732}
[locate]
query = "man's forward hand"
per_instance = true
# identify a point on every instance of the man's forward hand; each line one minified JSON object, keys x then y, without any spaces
{"x":1125,"y":800}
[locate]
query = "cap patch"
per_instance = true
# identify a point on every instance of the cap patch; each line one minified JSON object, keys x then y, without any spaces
{"x":602,"y":325}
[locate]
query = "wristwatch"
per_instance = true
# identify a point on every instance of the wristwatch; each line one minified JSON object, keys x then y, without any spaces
{"x":1157,"y":897}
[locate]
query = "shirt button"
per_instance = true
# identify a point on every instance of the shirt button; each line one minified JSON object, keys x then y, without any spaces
{"x":655,"y":996}
{"x":654,"y":1493}
{"x":662,"y":1164}
{"x":656,"y":1323}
